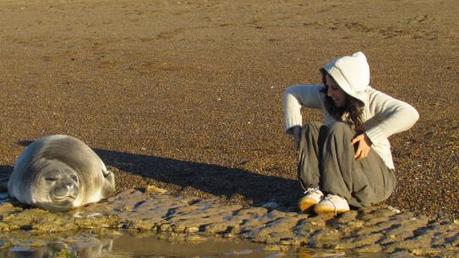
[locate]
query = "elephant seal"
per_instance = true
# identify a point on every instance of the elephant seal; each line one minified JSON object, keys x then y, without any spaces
{"x":58,"y":173}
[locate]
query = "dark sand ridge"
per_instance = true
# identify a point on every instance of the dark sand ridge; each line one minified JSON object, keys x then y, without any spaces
{"x":189,"y":94}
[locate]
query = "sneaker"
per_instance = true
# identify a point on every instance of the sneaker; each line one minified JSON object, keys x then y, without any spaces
{"x":312,"y":197}
{"x":332,"y":204}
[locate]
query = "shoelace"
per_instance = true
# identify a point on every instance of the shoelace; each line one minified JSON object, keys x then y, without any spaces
{"x":329,"y":198}
{"x":311,"y":190}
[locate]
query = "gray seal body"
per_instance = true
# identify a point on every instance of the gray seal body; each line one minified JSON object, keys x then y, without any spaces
{"x":58,"y":173}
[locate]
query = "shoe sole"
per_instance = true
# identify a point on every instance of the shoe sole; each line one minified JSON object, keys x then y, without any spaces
{"x":305,"y":204}
{"x":327,"y":210}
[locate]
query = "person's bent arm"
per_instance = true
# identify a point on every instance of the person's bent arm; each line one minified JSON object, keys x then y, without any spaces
{"x":394,"y":116}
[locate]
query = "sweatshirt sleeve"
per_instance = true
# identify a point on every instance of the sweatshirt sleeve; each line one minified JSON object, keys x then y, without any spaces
{"x":394,"y":116}
{"x":295,"y":97}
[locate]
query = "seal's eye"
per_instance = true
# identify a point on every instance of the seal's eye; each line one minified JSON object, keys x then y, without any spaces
{"x":51,"y":179}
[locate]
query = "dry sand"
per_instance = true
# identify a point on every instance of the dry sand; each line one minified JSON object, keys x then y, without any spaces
{"x":187,"y":95}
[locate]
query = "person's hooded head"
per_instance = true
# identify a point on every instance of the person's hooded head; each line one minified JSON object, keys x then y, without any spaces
{"x":351,"y":74}
{"x":347,"y":79}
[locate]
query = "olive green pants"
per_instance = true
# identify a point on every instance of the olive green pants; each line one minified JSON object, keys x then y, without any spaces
{"x":326,"y":160}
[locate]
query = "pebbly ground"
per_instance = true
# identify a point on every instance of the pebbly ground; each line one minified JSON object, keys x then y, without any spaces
{"x":187,"y":96}
{"x":380,"y":229}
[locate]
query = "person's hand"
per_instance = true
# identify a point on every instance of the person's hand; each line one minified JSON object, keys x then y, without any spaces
{"x":363,"y":146}
{"x":295,"y":132}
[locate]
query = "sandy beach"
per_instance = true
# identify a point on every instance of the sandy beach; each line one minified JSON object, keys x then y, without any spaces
{"x":187,"y":95}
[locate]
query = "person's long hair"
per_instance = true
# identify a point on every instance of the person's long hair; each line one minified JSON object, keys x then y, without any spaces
{"x":351,"y":111}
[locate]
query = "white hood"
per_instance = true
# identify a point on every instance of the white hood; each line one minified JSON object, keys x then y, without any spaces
{"x":352,"y":74}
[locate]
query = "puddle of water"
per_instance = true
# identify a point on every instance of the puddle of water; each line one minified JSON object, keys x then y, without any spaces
{"x":25,"y":244}
{"x":123,"y":245}
{"x":129,"y":246}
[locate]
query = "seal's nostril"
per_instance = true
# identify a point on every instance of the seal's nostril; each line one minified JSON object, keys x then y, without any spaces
{"x":74,"y":178}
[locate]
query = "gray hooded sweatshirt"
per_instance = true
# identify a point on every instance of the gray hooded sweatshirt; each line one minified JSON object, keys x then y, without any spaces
{"x":383,"y":115}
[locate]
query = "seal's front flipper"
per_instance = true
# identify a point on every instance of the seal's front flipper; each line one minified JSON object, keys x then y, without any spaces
{"x":109,"y":186}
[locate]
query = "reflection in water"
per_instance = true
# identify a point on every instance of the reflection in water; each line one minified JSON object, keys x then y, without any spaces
{"x":147,"y":246}
{"x":116,"y":245}
{"x":85,"y":245}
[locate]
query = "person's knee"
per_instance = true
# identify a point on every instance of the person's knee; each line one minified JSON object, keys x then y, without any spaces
{"x":311,"y":125}
{"x":340,"y":128}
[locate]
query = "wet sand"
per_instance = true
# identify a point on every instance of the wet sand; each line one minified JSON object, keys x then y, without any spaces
{"x":187,"y":95}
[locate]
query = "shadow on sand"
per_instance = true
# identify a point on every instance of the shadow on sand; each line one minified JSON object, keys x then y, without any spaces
{"x":5,"y":172}
{"x":214,"y":179}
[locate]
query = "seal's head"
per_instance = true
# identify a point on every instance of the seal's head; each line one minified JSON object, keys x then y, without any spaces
{"x":56,"y":187}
